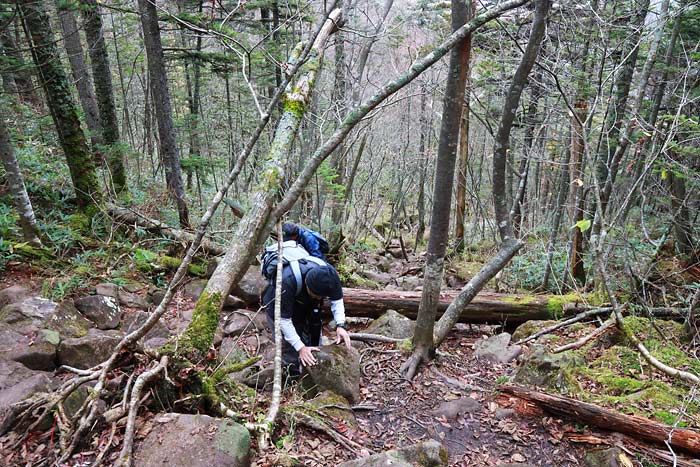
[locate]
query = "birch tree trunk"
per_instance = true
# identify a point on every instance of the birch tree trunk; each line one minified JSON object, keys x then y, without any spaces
{"x":102,"y":74}
{"x":158,"y":82}
{"x":19,"y":193}
{"x":509,"y":244}
{"x":63,"y":111}
{"x":442,"y":194}
{"x":83,"y":82}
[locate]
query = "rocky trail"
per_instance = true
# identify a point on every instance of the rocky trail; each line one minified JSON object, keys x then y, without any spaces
{"x":453,"y":407}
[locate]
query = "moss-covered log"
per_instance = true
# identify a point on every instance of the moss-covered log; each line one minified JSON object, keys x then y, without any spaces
{"x":486,"y":307}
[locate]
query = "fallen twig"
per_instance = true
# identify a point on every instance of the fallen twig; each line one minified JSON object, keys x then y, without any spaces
{"x":588,"y":337}
{"x":561,"y":324}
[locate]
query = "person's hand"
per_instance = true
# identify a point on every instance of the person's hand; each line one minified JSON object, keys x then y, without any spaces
{"x":342,"y":334}
{"x":306,"y":355}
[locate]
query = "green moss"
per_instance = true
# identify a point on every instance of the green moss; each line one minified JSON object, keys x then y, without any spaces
{"x":199,"y":334}
{"x":555,"y":304}
{"x":79,"y":222}
{"x":295,"y":107}
{"x":668,"y":418}
{"x":519,"y":299}
{"x":405,"y":346}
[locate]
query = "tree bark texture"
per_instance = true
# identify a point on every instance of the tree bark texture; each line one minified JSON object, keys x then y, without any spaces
{"x":83,"y":82}
{"x":423,"y":164}
{"x":17,"y":67}
{"x":509,"y":245}
{"x":158,"y":82}
{"x":252,"y":229}
{"x":442,"y":192}
{"x":485,"y":308}
{"x":638,"y":427}
{"x":23,"y":204}
{"x":63,"y":110}
{"x":102,"y":75}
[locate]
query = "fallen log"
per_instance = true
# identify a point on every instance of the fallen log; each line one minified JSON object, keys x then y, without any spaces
{"x":638,"y":427}
{"x":129,"y":216}
{"x":486,"y":308}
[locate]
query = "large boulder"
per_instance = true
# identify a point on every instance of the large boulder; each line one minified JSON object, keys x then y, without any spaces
{"x":134,"y":319}
{"x":34,"y":348}
{"x":426,"y":454}
{"x":241,"y":321}
{"x":18,"y":383}
{"x":100,"y":309}
{"x":12,"y":294}
{"x":180,"y":440}
{"x":194,"y":289}
{"x":126,"y":295}
{"x":337,"y":370}
{"x":497,"y":349}
{"x":392,"y":324}
{"x":548,"y":370}
{"x":88,"y":351}
{"x":250,"y":286}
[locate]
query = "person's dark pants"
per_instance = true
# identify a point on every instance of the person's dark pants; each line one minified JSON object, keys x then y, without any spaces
{"x":307,"y":322}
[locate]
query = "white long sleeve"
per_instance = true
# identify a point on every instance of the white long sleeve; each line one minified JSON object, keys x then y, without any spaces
{"x":290,"y":334}
{"x":338,"y":310}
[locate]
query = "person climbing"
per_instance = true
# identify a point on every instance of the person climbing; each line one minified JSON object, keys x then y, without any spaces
{"x":311,"y":240}
{"x":301,"y":309}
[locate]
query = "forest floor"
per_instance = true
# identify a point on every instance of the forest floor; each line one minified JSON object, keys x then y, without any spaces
{"x":490,"y":429}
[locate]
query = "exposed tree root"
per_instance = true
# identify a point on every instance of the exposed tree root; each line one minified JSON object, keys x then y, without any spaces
{"x":361,"y":336}
{"x":310,"y":422}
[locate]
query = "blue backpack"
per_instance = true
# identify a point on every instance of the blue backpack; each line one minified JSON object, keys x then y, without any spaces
{"x":322,"y":242}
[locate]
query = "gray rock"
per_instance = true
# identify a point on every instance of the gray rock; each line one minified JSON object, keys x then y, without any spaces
{"x":426,"y":454}
{"x":408,"y":283}
{"x":88,"y":351}
{"x":37,"y":313}
{"x":547,"y":370}
{"x":453,"y":409}
{"x":250,"y":286}
{"x":34,"y":348}
{"x":333,"y":406}
{"x":501,"y":414}
{"x":180,"y":440}
{"x":194,"y":288}
{"x":381,"y":278}
{"x":241,"y":321}
{"x":18,"y":383}
{"x":12,"y":294}
{"x":337,"y":370}
{"x":102,"y":310}
{"x":497,"y":349}
{"x":392,"y":324}
{"x":233,"y":302}
{"x":107,"y":289}
{"x":132,"y":300}
{"x":135,"y":318}
{"x":610,"y":457}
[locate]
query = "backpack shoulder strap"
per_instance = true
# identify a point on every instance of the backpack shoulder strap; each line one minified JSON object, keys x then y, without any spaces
{"x":296,"y":270}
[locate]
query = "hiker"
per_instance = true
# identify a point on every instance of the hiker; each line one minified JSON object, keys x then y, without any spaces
{"x":301,"y":307}
{"x":311,"y":240}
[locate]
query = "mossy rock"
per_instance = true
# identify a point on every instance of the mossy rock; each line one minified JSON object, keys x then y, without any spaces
{"x":529,"y":328}
{"x":332,"y":405}
{"x":550,"y":371}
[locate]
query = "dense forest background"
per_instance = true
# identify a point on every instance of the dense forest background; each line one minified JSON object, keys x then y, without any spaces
{"x":556,"y":151}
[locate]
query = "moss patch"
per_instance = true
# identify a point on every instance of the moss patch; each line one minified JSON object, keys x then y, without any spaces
{"x":555,"y":304}
{"x":199,"y":335}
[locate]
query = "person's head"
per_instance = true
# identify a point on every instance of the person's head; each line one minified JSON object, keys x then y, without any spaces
{"x":323,"y":282}
{"x":290,"y":231}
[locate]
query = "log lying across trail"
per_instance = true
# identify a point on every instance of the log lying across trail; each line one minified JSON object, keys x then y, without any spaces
{"x":637,"y":427}
{"x":486,"y":308}
{"x":132,"y":217}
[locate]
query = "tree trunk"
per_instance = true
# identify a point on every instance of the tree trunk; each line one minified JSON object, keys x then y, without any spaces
{"x":251,"y":231}
{"x":638,"y":427}
{"x":19,"y":69}
{"x":83,"y":83}
{"x":442,"y":194}
{"x":102,"y":75}
{"x":461,"y":202}
{"x":509,"y":246}
{"x":556,"y":222}
{"x":423,"y":164}
{"x":19,"y":193}
{"x":65,"y":116}
{"x":485,"y":308}
{"x":158,"y":82}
